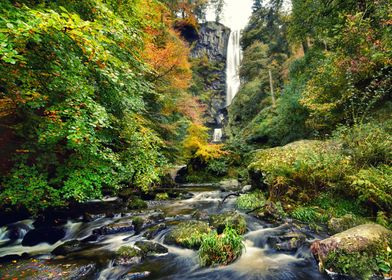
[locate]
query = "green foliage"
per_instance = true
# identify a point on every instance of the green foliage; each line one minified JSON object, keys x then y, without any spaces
{"x":86,"y":112}
{"x":218,"y":167}
{"x":362,"y":265}
{"x":367,"y":144}
{"x":127,"y":252}
{"x":221,"y":249}
{"x":374,"y":185}
{"x":250,"y":201}
{"x":309,"y":215}
{"x":161,"y":196}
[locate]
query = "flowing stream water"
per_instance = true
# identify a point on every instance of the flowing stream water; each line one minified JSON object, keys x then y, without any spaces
{"x":258,"y":260}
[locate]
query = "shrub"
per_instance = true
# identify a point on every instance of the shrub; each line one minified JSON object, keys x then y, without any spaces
{"x":161,"y":196}
{"x":220,"y":249}
{"x":374,"y":185}
{"x":250,"y":201}
{"x":309,"y":215}
{"x":367,"y":144}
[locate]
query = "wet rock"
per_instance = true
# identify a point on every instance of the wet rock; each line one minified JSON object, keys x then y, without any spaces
{"x":49,"y":220}
{"x":187,"y":234}
{"x":128,"y":255}
{"x":151,"y":248}
{"x":135,"y":275}
{"x":185,"y":195}
{"x":91,"y":238}
{"x":336,"y":225}
{"x":114,"y":228}
{"x":43,"y":235}
{"x":70,"y":247}
{"x":230,"y":185}
{"x":13,"y":258}
{"x":136,"y":203}
{"x":17,"y":231}
{"x":246,"y":188}
{"x":200,"y":215}
{"x":153,"y":231}
{"x":88,"y":217}
{"x":231,"y":218}
{"x":287,"y":242}
{"x":35,"y":269}
{"x":142,"y":222}
{"x":368,"y":240}
{"x":270,"y":212}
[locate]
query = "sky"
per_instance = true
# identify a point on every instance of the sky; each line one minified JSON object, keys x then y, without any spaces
{"x":236,"y":13}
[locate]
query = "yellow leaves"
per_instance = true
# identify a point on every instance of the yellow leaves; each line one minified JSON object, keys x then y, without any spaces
{"x":196,"y":144}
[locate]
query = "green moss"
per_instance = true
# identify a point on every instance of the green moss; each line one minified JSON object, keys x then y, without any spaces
{"x":188,"y":234}
{"x":137,"y":203}
{"x":221,"y":249}
{"x":230,"y":219}
{"x":250,"y":201}
{"x":361,"y":265}
{"x":128,"y":252}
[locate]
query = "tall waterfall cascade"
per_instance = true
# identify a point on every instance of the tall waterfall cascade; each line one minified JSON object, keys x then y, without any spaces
{"x":234,"y":56}
{"x":235,"y":15}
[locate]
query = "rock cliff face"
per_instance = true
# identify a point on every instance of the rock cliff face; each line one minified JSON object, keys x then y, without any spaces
{"x":211,"y":45}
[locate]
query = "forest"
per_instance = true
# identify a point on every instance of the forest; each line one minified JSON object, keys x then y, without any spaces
{"x":106,"y":99}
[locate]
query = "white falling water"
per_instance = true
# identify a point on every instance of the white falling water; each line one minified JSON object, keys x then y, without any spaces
{"x":236,"y":14}
{"x":218,"y":133}
{"x":234,"y":56}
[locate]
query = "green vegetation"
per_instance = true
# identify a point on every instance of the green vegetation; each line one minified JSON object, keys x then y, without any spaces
{"x":221,"y":249}
{"x":161,"y":196}
{"x":362,"y":265}
{"x":230,"y":219}
{"x":188,"y":234}
{"x":250,"y":201}
{"x":128,"y":252}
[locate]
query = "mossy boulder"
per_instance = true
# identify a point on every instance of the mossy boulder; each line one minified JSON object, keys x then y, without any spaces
{"x":187,"y":234}
{"x":336,"y":225}
{"x":153,"y":231}
{"x":149,"y":248}
{"x":127,"y":255}
{"x":290,"y":241}
{"x":136,"y":203}
{"x":232,"y":219}
{"x":271,"y":212}
{"x":360,"y":252}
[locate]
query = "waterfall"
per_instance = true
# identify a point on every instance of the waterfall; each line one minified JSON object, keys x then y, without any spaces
{"x":234,"y":56}
{"x":217,"y":137}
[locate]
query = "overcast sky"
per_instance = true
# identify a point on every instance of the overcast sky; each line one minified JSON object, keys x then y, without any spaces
{"x":236,"y":13}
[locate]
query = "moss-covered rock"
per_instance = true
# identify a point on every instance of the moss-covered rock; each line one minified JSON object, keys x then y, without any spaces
{"x":221,"y":249}
{"x":360,"y":252}
{"x":232,"y":219}
{"x":290,"y":241}
{"x":153,"y":231}
{"x":187,"y":234}
{"x":151,"y":248}
{"x":136,"y":203}
{"x":127,"y":255}
{"x":271,"y":212}
{"x":336,"y":225}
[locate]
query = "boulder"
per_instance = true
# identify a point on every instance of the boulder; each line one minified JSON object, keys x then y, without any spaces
{"x":43,"y":235}
{"x":187,"y":234}
{"x":135,"y":275}
{"x":200,"y":215}
{"x":127,"y":255}
{"x":336,"y":225}
{"x":270,"y":212}
{"x":70,"y":247}
{"x":356,"y":249}
{"x":153,"y":231}
{"x":246,"y":188}
{"x":149,"y":248}
{"x":230,"y":185}
{"x":290,"y":241}
{"x":231,"y":218}
{"x":114,"y":228}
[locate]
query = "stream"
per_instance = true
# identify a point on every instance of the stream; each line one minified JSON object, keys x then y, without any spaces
{"x":95,"y":259}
